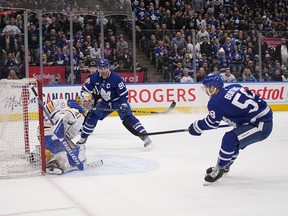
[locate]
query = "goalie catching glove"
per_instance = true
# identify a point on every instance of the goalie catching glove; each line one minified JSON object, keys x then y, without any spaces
{"x":195,"y":129}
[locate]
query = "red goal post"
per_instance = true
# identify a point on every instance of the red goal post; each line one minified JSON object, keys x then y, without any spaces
{"x":22,"y":151}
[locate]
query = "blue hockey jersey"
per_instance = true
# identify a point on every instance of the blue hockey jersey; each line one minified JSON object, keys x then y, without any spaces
{"x":236,"y":106}
{"x":111,"y":89}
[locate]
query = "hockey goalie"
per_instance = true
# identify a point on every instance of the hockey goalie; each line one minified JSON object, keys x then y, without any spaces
{"x":62,"y":154}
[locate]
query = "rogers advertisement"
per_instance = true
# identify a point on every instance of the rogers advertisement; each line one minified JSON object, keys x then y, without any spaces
{"x":186,"y":95}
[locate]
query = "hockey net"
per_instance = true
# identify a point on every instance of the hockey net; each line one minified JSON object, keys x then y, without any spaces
{"x":21,"y":138}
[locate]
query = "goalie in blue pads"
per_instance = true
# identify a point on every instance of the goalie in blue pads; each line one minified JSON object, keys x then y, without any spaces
{"x":247,"y":112}
{"x":68,"y":115}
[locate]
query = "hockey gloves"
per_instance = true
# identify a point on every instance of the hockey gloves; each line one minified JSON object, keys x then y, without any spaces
{"x":194,"y":129}
{"x":124,"y":107}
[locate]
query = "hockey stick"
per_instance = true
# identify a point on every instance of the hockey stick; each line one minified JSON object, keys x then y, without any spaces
{"x":137,"y":133}
{"x":65,"y":141}
{"x":169,"y":109}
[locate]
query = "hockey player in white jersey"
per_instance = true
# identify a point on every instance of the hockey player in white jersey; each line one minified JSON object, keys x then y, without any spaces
{"x":69,"y":113}
{"x":247,"y":112}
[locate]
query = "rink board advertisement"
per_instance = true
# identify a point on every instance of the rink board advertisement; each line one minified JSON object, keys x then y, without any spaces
{"x":187,"y":96}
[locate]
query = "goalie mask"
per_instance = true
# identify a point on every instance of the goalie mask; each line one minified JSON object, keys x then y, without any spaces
{"x":87,"y":101}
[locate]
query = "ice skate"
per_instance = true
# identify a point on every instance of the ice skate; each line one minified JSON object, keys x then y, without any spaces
{"x":148,"y":143}
{"x":53,"y":167}
{"x":82,"y":141}
{"x":225,"y":170}
{"x":214,"y":175}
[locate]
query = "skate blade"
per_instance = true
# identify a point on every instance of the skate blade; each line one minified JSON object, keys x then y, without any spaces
{"x":150,"y":147}
{"x":55,"y":171}
{"x":206,"y":183}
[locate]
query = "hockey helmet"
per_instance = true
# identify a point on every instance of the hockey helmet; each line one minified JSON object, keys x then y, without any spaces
{"x":93,"y":64}
{"x":87,"y":100}
{"x":103,"y":63}
{"x":213,"y":79}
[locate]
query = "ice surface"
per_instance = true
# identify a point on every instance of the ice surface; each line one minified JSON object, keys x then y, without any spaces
{"x":167,"y":181}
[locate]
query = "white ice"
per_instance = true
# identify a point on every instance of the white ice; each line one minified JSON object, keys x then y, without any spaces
{"x":167,"y":181}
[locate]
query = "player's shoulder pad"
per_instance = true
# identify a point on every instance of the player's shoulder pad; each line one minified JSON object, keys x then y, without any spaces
{"x":75,"y":105}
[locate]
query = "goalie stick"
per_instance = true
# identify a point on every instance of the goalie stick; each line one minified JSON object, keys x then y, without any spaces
{"x":137,"y":133}
{"x":169,"y":109}
{"x":66,"y":140}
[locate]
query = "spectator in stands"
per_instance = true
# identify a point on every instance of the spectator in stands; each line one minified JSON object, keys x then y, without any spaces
{"x":45,"y":60}
{"x":165,"y":64}
{"x":121,"y":66}
{"x":20,"y":55}
{"x":114,"y":66}
{"x":7,"y":42}
{"x":179,"y":41}
{"x":281,"y":52}
{"x":140,"y":13}
{"x":227,"y":46}
{"x":202,"y":34}
{"x":121,"y":45}
{"x":167,"y":19}
{"x":206,"y":48}
{"x":112,"y":41}
{"x":158,"y":52}
{"x":128,"y":64}
{"x":248,"y":76}
{"x":151,"y":44}
{"x":277,"y":76}
{"x":200,"y":74}
{"x":227,"y":76}
{"x":111,"y":25}
{"x":126,"y":54}
{"x":215,"y":47}
{"x":95,"y":53}
{"x":178,"y":21}
{"x":285,"y":75}
{"x":139,"y":37}
{"x":186,"y":77}
{"x":12,"y":74}
{"x":223,"y":59}
{"x":236,"y":61}
{"x":200,"y":22}
{"x":113,"y":57}
{"x":107,"y":51}
{"x":153,"y":14}
{"x":88,"y":32}
{"x":177,"y":73}
{"x":250,"y":66}
{"x":58,"y":57}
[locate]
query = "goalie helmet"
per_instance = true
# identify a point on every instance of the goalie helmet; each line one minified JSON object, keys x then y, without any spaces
{"x":87,"y":100}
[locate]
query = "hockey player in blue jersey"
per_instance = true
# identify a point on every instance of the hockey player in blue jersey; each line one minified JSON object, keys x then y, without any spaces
{"x":250,"y":116}
{"x":114,"y":95}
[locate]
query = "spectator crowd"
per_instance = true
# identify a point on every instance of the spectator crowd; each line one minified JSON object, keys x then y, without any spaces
{"x":185,"y":40}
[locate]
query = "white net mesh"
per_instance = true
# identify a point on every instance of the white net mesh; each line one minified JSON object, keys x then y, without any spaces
{"x":20,"y":151}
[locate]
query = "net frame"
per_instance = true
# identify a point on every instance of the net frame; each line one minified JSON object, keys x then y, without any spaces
{"x":22,"y":151}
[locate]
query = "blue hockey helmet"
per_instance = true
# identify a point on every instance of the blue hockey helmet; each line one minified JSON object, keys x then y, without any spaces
{"x":104,"y":63}
{"x":213,"y":79}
